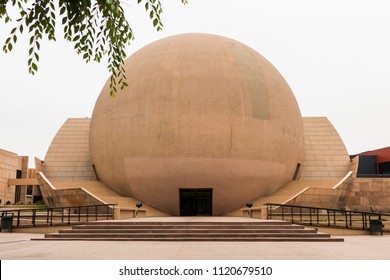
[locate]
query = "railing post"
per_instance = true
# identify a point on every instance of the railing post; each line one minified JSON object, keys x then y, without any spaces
{"x":328,"y":212}
{"x":363,"y":221}
{"x":350,"y":219}
{"x":96,"y":212}
{"x":51,"y":216}
{"x":69,"y":210}
{"x":346,"y":219}
{"x":33,"y":217}
{"x":292,"y":214}
{"x":282,"y":212}
{"x":311,"y":219}
{"x":18,"y":221}
{"x":269,"y":214}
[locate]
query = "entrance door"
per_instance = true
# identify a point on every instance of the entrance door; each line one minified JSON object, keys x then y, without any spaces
{"x":196,"y":202}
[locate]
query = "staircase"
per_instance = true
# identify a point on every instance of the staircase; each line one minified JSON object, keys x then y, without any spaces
{"x":105,"y":194}
{"x":289,"y":191}
{"x":187,"y":230}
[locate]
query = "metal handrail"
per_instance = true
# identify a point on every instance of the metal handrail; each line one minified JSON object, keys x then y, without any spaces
{"x":67,"y":215}
{"x":323,"y":216}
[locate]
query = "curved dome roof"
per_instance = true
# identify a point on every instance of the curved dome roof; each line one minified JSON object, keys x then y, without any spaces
{"x":200,"y":111}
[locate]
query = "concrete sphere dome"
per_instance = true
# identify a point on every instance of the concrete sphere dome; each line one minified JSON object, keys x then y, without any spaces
{"x":201,"y":111}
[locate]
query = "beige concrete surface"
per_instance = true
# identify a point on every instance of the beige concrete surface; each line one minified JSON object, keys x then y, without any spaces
{"x":325,"y":154}
{"x":200,"y":111}
{"x":18,"y":246}
{"x":9,"y":163}
{"x":68,"y":155}
{"x":100,"y":191}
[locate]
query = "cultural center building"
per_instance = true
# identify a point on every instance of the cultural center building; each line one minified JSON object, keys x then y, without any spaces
{"x":205,"y":125}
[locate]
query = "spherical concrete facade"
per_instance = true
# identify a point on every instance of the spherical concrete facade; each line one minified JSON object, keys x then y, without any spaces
{"x":200,"y":111}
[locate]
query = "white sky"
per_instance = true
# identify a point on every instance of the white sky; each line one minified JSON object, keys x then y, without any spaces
{"x":335,"y":55}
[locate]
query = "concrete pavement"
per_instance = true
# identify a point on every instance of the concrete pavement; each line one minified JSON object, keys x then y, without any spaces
{"x":17,"y":246}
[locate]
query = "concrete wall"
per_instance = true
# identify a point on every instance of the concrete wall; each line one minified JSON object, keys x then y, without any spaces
{"x":9,"y":163}
{"x":370,"y":194}
{"x":360,"y":194}
{"x":325,"y":158}
{"x":355,"y":165}
{"x":68,"y":155}
{"x":39,"y":165}
{"x":65,"y":197}
{"x":335,"y":197}
{"x":325,"y":154}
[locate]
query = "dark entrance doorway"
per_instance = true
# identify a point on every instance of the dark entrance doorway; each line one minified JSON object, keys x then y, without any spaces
{"x":196,"y":202}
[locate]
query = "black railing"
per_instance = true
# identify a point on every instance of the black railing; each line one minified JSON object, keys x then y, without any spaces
{"x":307,"y":215}
{"x":59,"y":215}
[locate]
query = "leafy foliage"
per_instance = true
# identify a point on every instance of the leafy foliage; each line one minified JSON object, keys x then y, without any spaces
{"x":96,"y":28}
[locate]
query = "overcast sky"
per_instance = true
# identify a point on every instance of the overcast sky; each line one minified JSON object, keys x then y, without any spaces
{"x":335,"y":55}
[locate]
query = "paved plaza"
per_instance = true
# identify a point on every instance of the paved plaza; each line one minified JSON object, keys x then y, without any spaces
{"x":18,"y":246}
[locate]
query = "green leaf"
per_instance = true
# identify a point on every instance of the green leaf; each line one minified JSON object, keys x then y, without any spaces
{"x":97,"y":29}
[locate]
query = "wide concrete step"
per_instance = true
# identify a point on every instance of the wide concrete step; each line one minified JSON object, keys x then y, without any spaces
{"x":205,"y":239}
{"x":155,"y":231}
{"x":135,"y":222}
{"x":183,"y":235}
{"x":168,"y":230}
{"x":208,"y":227}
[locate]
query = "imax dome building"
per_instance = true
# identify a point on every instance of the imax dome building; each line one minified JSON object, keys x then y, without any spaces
{"x":205,"y":125}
